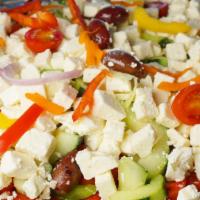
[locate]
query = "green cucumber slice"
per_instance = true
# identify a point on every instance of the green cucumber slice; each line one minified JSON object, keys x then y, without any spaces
{"x":160,"y":195}
{"x":131,"y":175}
{"x":142,"y":192}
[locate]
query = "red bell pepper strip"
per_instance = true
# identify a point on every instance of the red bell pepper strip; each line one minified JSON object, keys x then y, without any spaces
{"x":87,"y":98}
{"x":34,"y":5}
{"x":43,"y":20}
{"x":17,"y":130}
{"x":76,"y":14}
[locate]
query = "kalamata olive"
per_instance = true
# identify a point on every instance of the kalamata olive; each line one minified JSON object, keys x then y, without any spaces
{"x":162,"y":7}
{"x":99,"y":33}
{"x":113,"y":14}
{"x":124,"y":62}
{"x":66,"y":173}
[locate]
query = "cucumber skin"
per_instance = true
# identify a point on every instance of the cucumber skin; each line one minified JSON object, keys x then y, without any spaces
{"x":161,"y":195}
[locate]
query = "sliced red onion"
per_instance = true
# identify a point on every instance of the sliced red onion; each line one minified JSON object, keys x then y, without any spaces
{"x":9,"y":72}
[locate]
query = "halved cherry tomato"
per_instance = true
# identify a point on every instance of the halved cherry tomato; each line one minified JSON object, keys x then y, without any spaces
{"x":21,"y":197}
{"x":94,"y":197}
{"x":38,"y":40}
{"x":186,"y":105}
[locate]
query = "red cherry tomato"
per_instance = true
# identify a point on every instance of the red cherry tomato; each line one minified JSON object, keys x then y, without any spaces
{"x":186,"y":105}
{"x":94,"y":197}
{"x":192,"y":179}
{"x":21,"y":197}
{"x":38,"y":40}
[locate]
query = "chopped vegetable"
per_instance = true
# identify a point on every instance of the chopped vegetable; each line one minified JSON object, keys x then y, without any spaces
{"x":94,"y":197}
{"x":21,"y":197}
{"x":159,"y":59}
{"x":186,"y":105}
{"x":5,"y":122}
{"x":127,"y":4}
{"x":87,"y":99}
{"x":147,"y":22}
{"x":19,"y":128}
{"x":79,"y":85}
{"x":163,"y":42}
{"x":43,"y":20}
{"x":38,"y":40}
{"x":2,"y":42}
{"x":45,"y":103}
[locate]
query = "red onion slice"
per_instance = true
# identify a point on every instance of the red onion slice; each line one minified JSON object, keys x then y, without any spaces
{"x":8,"y":73}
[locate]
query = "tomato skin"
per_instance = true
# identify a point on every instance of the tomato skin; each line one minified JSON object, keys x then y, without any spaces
{"x":186,"y":106}
{"x":94,"y":197}
{"x":21,"y":197}
{"x":38,"y":40}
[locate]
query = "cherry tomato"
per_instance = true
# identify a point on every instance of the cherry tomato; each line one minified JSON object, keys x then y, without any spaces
{"x":94,"y":197}
{"x":38,"y":40}
{"x":21,"y":197}
{"x":186,"y":105}
{"x":192,"y":179}
{"x":8,"y":189}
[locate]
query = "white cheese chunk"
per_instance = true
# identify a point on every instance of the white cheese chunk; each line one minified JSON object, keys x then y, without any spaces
{"x":107,"y":107}
{"x":186,"y":76}
{"x":189,"y":192}
{"x":18,"y":165}
{"x":196,"y":155}
{"x":184,"y":39}
{"x":42,"y":59}
{"x":141,"y":106}
{"x":71,"y":31}
{"x":90,"y":73}
{"x":105,"y":185}
{"x":194,"y":135}
{"x":5,"y":181}
{"x":5,"y":20}
{"x":176,"y":139}
{"x":194,"y":51}
{"x":36,"y":143}
{"x":180,"y":160}
{"x":140,"y":143}
{"x":30,"y":72}
{"x":92,"y":163}
{"x":57,"y":60}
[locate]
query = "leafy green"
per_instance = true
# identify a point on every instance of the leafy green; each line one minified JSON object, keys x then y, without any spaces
{"x":79,"y":85}
{"x":163,"y":43}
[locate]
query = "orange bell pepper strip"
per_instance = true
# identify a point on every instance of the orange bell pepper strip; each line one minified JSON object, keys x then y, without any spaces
{"x":173,"y":87}
{"x":87,"y":100}
{"x":2,"y":43}
{"x":76,"y":14}
{"x":34,"y":5}
{"x":43,"y":20}
{"x":19,"y":128}
{"x":127,"y":4}
{"x":45,"y":103}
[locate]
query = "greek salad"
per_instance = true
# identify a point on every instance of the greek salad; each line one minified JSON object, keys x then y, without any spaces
{"x":100,"y":100}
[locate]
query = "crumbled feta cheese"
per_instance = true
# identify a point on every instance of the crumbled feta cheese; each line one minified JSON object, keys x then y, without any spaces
{"x":93,"y":163}
{"x":194,"y":51}
{"x":176,"y":139}
{"x":141,"y":106}
{"x":42,"y":59}
{"x":180,"y":160}
{"x":72,"y":64}
{"x":57,"y":60}
{"x":184,"y":39}
{"x":5,"y":20}
{"x":90,"y":73}
{"x":30,"y":72}
{"x":175,"y":65}
{"x":18,"y":165}
{"x":176,"y":51}
{"x":184,"y":130}
{"x":105,"y":185}
{"x":196,"y":155}
{"x":140,"y":143}
{"x":107,"y":107}
{"x":71,"y":31}
{"x":189,"y":192}
{"x":186,"y":76}
{"x":166,"y":117}
{"x":194,"y":135}
{"x":36,"y":143}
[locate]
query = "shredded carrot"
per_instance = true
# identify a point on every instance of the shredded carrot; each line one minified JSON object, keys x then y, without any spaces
{"x":94,"y":53}
{"x":153,"y":70}
{"x":126,"y":4}
{"x":2,"y":42}
{"x":49,"y":7}
{"x":173,"y":87}
{"x":45,"y":103}
{"x":88,"y":97}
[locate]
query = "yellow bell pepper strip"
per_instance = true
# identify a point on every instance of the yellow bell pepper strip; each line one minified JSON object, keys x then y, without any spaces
{"x":19,"y":128}
{"x":87,"y":100}
{"x":5,"y":122}
{"x":173,"y":87}
{"x":45,"y":103}
{"x":127,"y":4}
{"x":147,"y":22}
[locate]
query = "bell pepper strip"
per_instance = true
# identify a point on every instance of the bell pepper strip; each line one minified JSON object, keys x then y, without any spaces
{"x":147,"y":22}
{"x":5,"y":122}
{"x":87,"y":98}
{"x":31,"y":6}
{"x":43,"y":20}
{"x":19,"y":128}
{"x":127,"y":4}
{"x":2,"y":43}
{"x":76,"y":14}
{"x":94,"y":53}
{"x":173,"y":87}
{"x":45,"y":103}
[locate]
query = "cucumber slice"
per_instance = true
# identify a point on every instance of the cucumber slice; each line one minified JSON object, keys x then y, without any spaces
{"x":151,"y":37}
{"x":158,"y":59}
{"x":131,"y":175}
{"x":160,"y":195}
{"x":142,"y":192}
{"x":81,"y":192}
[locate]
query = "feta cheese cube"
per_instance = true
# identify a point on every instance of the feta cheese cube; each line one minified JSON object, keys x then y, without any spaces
{"x":42,"y":59}
{"x":146,"y":82}
{"x":72,"y":64}
{"x":180,"y":160}
{"x":63,"y":23}
{"x":57,"y":60}
{"x":30,"y":72}
{"x":92,"y":163}
{"x":189,"y":192}
{"x":5,"y":60}
{"x":18,"y":165}
{"x":184,"y":130}
{"x":5,"y":20}
{"x":175,"y":65}
{"x":105,"y":185}
{"x":90,"y":73}
{"x":187,"y":76}
{"x":107,"y":107}
{"x":2,"y":32}
{"x":166,"y":117}
{"x":196,"y":155}
{"x":71,"y":31}
{"x":194,"y":51}
{"x":36,"y":143}
{"x":141,"y":106}
{"x":194,"y":135}
{"x":5,"y":181}
{"x":140,"y":143}
{"x":34,"y":186}
{"x":184,"y":39}
{"x":176,"y":139}
{"x":176,"y":51}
